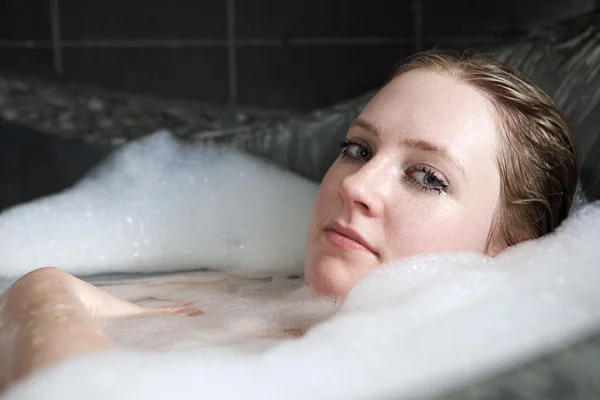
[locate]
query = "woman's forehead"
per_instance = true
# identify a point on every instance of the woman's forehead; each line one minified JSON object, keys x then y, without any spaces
{"x":436,"y":108}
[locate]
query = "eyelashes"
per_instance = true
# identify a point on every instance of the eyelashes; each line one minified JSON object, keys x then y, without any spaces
{"x":423,"y":177}
{"x":426,"y":179}
{"x":355,"y":151}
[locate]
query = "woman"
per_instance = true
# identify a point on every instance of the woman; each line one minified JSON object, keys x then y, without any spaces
{"x":455,"y":153}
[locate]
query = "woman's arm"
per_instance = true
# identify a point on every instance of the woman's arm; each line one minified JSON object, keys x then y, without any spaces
{"x":48,"y":315}
{"x":41,"y":322}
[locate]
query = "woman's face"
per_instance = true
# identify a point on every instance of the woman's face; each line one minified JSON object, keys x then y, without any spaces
{"x":418,"y":174}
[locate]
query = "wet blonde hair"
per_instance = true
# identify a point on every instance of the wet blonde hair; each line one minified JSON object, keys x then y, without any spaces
{"x":537,"y":159}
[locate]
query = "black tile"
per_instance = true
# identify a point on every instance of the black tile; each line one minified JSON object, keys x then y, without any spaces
{"x":37,"y":62}
{"x":199,"y":74}
{"x":331,"y":18}
{"x":305,"y":77}
{"x":466,"y":17}
{"x":143,"y":19}
{"x":25,"y":19}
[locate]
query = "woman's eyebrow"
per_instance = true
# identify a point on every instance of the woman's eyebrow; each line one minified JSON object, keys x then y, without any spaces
{"x":366,"y":125}
{"x":412,"y":142}
{"x":432,"y":147}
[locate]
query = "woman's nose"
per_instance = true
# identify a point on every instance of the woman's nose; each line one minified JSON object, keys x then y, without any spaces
{"x":363,"y":190}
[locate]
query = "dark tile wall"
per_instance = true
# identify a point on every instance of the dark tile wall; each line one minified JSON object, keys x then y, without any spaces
{"x":297,"y":54}
{"x":319,"y":18}
{"x":471,"y":18}
{"x":24,"y":19}
{"x":301,"y":76}
{"x":143,"y":19}
{"x":196,"y":73}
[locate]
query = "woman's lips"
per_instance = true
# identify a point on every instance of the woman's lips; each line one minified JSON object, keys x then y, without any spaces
{"x":346,"y":238}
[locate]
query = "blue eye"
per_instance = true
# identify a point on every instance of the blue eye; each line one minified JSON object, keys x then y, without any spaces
{"x":426,"y":179}
{"x":354,"y":151}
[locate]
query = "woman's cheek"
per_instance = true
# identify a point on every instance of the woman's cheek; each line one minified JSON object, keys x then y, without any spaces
{"x":420,"y":226}
{"x":328,"y":193}
{"x":322,"y":201}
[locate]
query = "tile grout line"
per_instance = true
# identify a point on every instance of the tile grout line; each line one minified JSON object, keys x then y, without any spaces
{"x":231,"y":52}
{"x":56,"y":36}
{"x":257,"y":42}
{"x":418,"y":24}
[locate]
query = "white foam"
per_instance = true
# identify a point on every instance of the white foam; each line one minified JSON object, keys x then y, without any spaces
{"x":158,"y":205}
{"x":413,"y":328}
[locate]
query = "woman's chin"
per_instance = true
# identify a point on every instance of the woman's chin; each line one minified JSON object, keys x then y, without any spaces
{"x":330,"y":279}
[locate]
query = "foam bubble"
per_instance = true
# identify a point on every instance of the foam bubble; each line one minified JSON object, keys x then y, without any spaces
{"x":158,"y":205}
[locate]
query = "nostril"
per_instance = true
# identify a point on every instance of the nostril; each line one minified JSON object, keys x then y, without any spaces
{"x":364,"y":206}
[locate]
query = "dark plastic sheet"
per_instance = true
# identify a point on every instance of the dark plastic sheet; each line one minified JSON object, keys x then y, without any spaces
{"x":564,"y":59}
